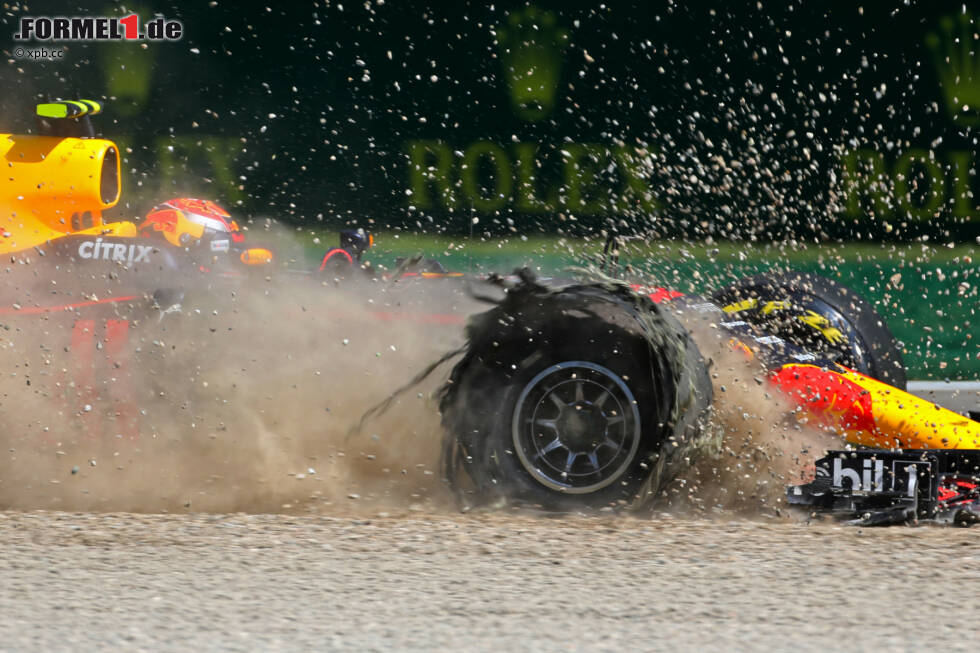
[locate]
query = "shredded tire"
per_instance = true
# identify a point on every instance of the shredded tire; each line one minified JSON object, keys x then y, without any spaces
{"x":598,"y":352}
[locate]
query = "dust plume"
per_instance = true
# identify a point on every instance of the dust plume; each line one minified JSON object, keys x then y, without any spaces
{"x":240,"y":401}
{"x":762,"y":447}
{"x":244,"y":399}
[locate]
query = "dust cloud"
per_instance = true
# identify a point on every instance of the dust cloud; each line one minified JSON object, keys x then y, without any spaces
{"x":242,"y":400}
{"x":761,"y":446}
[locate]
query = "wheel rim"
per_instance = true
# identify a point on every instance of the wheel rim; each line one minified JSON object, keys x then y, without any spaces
{"x":576,"y":427}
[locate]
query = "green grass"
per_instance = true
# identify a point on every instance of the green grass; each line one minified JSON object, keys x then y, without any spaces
{"x":927,"y":293}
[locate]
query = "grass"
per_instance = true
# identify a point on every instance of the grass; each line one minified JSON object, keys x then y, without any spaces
{"x":926,"y":292}
{"x":390,"y":245}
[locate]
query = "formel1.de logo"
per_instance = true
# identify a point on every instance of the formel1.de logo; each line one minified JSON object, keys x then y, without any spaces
{"x":97,"y":28}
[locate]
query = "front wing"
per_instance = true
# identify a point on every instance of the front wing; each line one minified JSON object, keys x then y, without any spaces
{"x":880,"y":487}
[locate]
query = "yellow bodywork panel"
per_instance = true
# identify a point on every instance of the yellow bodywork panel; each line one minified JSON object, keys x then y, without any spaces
{"x":874,"y":414}
{"x":54,"y":186}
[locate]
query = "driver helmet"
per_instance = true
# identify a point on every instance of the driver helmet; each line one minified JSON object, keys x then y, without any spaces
{"x":186,"y":222}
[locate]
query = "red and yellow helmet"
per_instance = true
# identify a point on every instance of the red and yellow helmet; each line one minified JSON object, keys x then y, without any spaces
{"x":185,"y":222}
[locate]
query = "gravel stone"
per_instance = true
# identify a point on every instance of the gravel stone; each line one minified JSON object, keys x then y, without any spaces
{"x":411,"y":581}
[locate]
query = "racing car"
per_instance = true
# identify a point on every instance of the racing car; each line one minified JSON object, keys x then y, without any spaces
{"x":85,"y":282}
{"x":61,"y":180}
{"x":591,"y":395}
{"x":567,"y":394}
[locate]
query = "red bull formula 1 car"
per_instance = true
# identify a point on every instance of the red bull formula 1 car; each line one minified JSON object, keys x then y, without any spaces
{"x":596,"y":394}
{"x":566,"y":395}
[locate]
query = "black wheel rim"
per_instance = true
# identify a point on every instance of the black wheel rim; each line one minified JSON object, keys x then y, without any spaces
{"x":576,"y":427}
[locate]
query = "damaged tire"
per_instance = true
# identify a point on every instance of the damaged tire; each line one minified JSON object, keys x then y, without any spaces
{"x":583,"y":397}
{"x":821,"y":316}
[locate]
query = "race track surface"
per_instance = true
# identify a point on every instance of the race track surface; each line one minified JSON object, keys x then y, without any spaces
{"x":411,"y":581}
